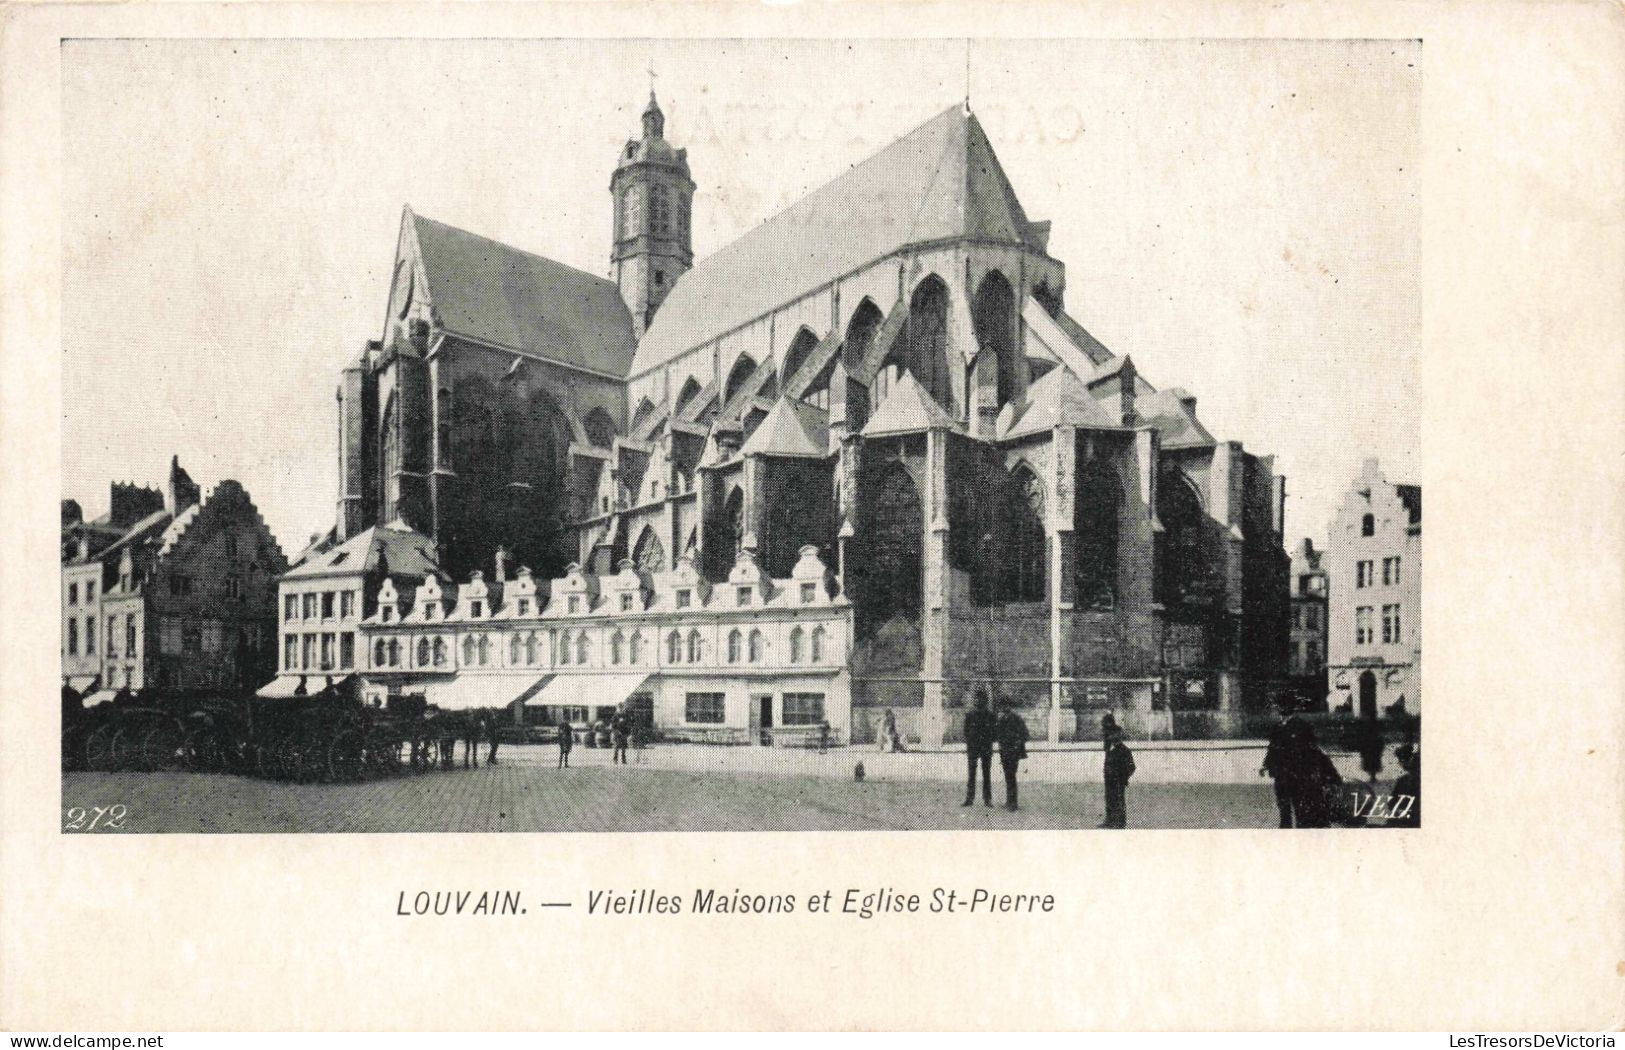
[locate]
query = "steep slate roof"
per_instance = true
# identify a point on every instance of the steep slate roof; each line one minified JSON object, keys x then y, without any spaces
{"x":1163,"y":411}
{"x":792,"y":428}
{"x":1411,"y":496}
{"x":490,"y":293}
{"x":1060,"y":398}
{"x":939,"y":181}
{"x":403,"y":551}
{"x":908,"y":409}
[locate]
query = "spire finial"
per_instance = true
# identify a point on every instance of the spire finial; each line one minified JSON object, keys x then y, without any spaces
{"x":652,"y":76}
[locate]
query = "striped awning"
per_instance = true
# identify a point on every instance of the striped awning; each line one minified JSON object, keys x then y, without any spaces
{"x":470,"y":691}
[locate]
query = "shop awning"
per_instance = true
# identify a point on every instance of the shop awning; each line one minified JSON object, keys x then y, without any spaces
{"x":587,"y":690}
{"x":287,"y":685}
{"x":80,"y":682}
{"x":469,"y":691}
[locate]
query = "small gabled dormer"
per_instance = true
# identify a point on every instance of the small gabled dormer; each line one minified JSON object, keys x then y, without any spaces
{"x":389,"y":603}
{"x":751,"y":586}
{"x":474,"y":600}
{"x":520,"y":602}
{"x":430,"y":606}
{"x":814,"y":583}
{"x":574,"y":595}
{"x":625,"y":591}
{"x":684,"y":588}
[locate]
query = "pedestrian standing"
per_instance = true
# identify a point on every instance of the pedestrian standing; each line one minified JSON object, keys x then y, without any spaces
{"x":620,"y":730}
{"x":979,"y":730}
{"x":1119,"y":767}
{"x":1011,"y":731}
{"x":1407,"y":800}
{"x":567,"y":740}
{"x":1312,"y":780}
{"x":1369,"y":743}
{"x":1274,"y":767}
{"x":823,"y":736}
{"x":490,"y":721}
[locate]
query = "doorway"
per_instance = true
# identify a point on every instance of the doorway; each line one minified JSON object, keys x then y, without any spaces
{"x":762,"y":709}
{"x":1368,"y":695}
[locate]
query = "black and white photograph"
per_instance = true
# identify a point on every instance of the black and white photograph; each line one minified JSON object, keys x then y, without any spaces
{"x":664,"y":457}
{"x":806,"y":516}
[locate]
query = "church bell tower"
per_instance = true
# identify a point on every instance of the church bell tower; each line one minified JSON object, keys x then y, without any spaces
{"x":653,"y":195}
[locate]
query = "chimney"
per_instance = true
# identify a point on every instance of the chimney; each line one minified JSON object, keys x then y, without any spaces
{"x":84,"y":548}
{"x":1188,"y":403}
{"x":501,"y":573}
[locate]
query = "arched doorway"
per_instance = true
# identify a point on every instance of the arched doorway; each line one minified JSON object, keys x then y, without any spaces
{"x":1368,"y":695}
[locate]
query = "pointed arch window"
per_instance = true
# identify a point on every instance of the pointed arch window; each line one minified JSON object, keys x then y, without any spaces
{"x":1031,"y":547}
{"x":617,"y":647}
{"x":564,"y":648}
{"x":758,"y":647}
{"x":442,"y":421}
{"x":513,"y":651}
{"x":423,"y":652}
{"x":530,"y":649}
{"x":394,"y":652}
{"x":484,"y":650}
{"x":379,"y":653}
{"x":1097,"y":509}
{"x":468,"y":650}
{"x":696,"y":647}
{"x":796,"y":638}
{"x":818,"y":637}
{"x":583,"y":648}
{"x":634,"y":648}
{"x":440,"y":652}
{"x":674,"y":648}
{"x":735,"y":644}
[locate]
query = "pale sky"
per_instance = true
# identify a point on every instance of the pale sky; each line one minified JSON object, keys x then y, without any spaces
{"x":1243,"y":218}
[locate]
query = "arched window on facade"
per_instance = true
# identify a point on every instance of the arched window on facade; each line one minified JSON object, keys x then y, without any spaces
{"x":484,"y":650}
{"x":735,"y":644}
{"x":1029,"y":544}
{"x":379,"y":652}
{"x":674,"y":648}
{"x":583,"y":648}
{"x":994,"y":317}
{"x":513,"y":651}
{"x":423,"y":652}
{"x":649,"y":554}
{"x":468,"y":650}
{"x":796,"y":637}
{"x":617,"y":647}
{"x":922,"y":349}
{"x":600,"y":428}
{"x":1185,"y":575}
{"x":440,"y":652}
{"x":696,"y":647}
{"x":530,"y":649}
{"x":442,"y":423}
{"x":818,"y":637}
{"x":758,"y":647}
{"x":1097,"y":509}
{"x":634,"y":648}
{"x":565,"y":648}
{"x":394,"y":652}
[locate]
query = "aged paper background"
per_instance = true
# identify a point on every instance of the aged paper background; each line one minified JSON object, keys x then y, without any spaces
{"x":1506,"y":911}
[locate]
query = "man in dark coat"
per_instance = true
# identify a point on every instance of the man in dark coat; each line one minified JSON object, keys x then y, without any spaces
{"x":1011,"y":732}
{"x":1275,"y":767}
{"x":1312,"y":779}
{"x":620,"y":729}
{"x":979,"y":725}
{"x":1119,"y":767}
{"x":490,"y":720}
{"x":1407,"y":801}
{"x":1369,"y":743}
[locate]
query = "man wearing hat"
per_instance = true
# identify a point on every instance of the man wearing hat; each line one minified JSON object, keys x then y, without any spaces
{"x":979,"y":729}
{"x":1119,"y":767}
{"x":1011,"y":731}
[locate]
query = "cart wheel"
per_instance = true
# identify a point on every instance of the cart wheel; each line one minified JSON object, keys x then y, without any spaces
{"x":345,"y":757}
{"x":161,"y":747}
{"x":125,"y":750}
{"x":99,"y":748}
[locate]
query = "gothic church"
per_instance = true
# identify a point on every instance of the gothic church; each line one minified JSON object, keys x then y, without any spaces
{"x":878,"y":389}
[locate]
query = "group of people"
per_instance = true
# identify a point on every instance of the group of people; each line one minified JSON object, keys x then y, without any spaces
{"x":1007,"y":729}
{"x":620,"y":736}
{"x":1310,"y":793}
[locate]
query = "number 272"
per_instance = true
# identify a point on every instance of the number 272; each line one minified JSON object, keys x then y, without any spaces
{"x":109,"y":818}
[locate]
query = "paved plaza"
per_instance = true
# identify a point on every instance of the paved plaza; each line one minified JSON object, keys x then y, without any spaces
{"x":679,"y":789}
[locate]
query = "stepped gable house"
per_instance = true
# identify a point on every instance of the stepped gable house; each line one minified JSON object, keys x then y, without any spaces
{"x":882,"y":383}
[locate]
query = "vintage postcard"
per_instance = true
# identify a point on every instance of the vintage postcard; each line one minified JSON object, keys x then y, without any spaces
{"x":550,"y":422}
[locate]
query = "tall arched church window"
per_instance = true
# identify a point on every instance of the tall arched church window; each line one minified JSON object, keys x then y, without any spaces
{"x":1185,"y":575}
{"x":649,"y":554}
{"x":389,"y":445}
{"x":994,"y":316}
{"x":1027,"y":536}
{"x":442,"y":422}
{"x":600,"y":428}
{"x":686,"y":395}
{"x":1096,"y":510}
{"x":923,"y":348}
